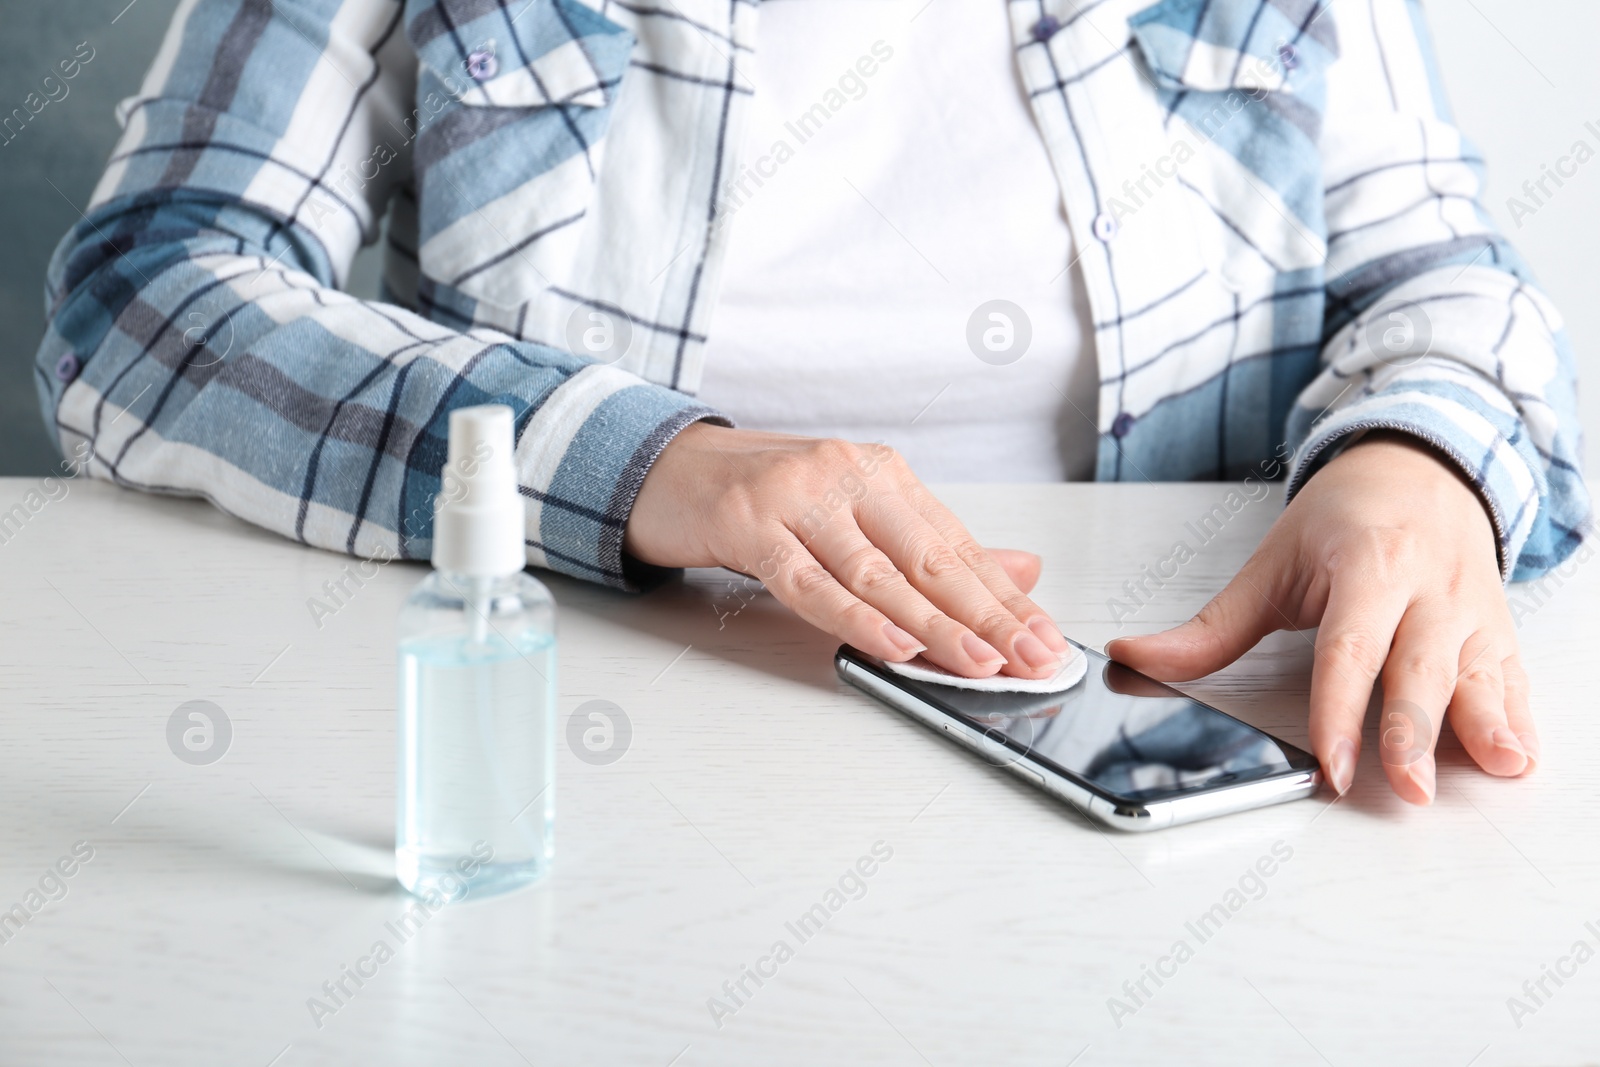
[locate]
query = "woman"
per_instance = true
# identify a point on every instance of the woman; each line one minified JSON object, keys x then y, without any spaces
{"x":1246,"y":235}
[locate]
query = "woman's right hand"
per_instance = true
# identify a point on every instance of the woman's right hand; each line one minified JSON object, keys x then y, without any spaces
{"x":851,"y":541}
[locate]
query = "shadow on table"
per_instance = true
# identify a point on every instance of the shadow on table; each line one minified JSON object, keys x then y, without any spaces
{"x":717,"y":613}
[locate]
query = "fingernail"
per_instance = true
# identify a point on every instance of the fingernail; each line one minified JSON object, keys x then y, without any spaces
{"x":1342,"y":766}
{"x":1530,"y":745}
{"x":1047,"y":632}
{"x":1423,"y":773}
{"x":902,"y":640}
{"x":1504,"y":738}
{"x":1034,"y":653}
{"x":982,"y":652}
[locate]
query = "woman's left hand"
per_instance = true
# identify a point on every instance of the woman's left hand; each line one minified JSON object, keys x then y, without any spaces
{"x":1390,"y":551}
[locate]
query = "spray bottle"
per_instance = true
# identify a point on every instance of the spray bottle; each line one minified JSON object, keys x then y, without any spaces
{"x":477,"y":688}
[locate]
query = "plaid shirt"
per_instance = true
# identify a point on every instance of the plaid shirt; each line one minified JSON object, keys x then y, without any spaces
{"x":1280,"y":234}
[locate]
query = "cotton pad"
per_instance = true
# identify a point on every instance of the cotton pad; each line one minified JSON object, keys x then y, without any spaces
{"x":1074,"y":665}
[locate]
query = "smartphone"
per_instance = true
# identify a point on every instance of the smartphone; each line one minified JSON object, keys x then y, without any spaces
{"x":1119,"y":746}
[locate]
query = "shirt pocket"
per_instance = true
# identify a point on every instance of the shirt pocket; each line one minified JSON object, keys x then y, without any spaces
{"x":513,"y":104}
{"x":1248,"y":78}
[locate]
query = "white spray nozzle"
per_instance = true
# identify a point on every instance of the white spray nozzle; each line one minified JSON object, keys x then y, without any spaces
{"x":478,"y":518}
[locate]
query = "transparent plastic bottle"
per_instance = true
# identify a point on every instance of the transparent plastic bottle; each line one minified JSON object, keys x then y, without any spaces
{"x":477,"y":686}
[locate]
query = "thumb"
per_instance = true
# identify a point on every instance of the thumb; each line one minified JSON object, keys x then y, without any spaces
{"x":1226,"y":628}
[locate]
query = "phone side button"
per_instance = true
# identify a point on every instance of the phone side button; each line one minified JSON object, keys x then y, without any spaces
{"x":1030,"y":776}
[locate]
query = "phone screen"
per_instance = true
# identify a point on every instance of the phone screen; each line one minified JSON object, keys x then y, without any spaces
{"x":1125,"y":733}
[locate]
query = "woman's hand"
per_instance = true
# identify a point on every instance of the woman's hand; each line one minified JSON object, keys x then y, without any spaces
{"x":1392,"y":553}
{"x":847,"y":537}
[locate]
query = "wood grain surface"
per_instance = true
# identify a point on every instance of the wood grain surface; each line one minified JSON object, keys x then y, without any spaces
{"x":1001,"y":927}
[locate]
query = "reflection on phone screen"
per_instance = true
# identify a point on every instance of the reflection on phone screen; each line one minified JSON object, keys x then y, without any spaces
{"x":1126,"y":733}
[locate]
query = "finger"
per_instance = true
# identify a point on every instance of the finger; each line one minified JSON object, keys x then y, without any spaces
{"x":948,"y":580}
{"x":1478,"y":710}
{"x":1226,"y":628}
{"x":1518,"y":711}
{"x":863,"y":569}
{"x":995,"y":575}
{"x":806,"y":587}
{"x":1019,"y":566}
{"x":1419,"y":678}
{"x":1352,"y":643}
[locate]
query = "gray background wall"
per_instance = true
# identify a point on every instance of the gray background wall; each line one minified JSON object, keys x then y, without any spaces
{"x":1522,"y":77}
{"x":67,"y":143}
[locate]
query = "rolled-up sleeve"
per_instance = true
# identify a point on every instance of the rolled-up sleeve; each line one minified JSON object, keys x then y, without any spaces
{"x":199,"y":343}
{"x":1435,"y":326}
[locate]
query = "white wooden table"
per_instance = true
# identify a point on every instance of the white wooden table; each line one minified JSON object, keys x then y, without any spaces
{"x":221,"y":897}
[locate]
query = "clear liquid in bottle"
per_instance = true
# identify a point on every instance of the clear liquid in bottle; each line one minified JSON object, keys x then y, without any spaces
{"x":476,"y":797}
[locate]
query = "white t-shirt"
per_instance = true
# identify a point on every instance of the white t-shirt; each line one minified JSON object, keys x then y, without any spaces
{"x":893,"y":183}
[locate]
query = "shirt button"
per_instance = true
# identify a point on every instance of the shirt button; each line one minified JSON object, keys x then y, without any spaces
{"x":1046,"y":28}
{"x":67,"y":367}
{"x":1122,"y":424}
{"x":1104,"y":226}
{"x":1288,"y":57}
{"x":482,"y":65}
